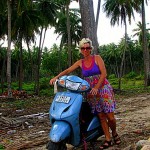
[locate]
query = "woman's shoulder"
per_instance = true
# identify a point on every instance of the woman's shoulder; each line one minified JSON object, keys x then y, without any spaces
{"x":97,"y":56}
{"x":98,"y":59}
{"x":78,"y":62}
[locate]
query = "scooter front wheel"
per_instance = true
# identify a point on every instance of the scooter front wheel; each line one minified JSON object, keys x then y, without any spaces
{"x":56,"y":146}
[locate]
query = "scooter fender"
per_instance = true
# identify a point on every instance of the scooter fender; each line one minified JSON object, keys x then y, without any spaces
{"x":60,"y":130}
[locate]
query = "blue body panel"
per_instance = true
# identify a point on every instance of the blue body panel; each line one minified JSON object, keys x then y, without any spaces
{"x":68,"y":113}
{"x":58,"y":109}
{"x":59,"y":131}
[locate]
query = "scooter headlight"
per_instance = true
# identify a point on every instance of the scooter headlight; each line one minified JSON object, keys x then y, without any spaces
{"x":72,"y":85}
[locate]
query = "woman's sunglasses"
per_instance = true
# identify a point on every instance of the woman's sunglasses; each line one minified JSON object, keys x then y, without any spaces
{"x":85,"y":48}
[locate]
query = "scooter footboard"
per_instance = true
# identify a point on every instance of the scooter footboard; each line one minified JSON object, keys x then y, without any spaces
{"x":60,"y":130}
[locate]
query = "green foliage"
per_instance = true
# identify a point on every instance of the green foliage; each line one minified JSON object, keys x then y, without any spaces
{"x":29,"y":87}
{"x":45,"y":88}
{"x":131,"y":75}
{"x":2,"y":147}
{"x":14,"y":85}
{"x":112,"y":76}
{"x":44,"y":73}
{"x":47,"y":92}
{"x":44,"y":83}
{"x":20,"y":104}
{"x":51,"y":59}
{"x":139,"y":77}
{"x":128,"y":84}
{"x":113,"y":81}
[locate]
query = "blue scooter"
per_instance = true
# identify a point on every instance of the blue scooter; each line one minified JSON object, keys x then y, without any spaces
{"x":70,"y":116}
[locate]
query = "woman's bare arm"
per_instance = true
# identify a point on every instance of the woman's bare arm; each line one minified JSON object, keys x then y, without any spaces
{"x":67,"y":71}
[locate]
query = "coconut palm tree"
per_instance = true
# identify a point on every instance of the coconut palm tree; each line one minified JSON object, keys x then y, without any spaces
{"x":146,"y":54}
{"x":75,"y":26}
{"x":25,"y":22}
{"x":138,"y":32}
{"x":119,"y":11}
{"x":48,"y":10}
{"x":75,"y":29}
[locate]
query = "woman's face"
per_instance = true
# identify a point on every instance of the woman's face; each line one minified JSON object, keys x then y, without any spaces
{"x":86,"y":49}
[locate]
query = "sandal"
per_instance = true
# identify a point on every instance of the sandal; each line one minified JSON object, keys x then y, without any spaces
{"x":117,"y":139}
{"x":106,"y":144}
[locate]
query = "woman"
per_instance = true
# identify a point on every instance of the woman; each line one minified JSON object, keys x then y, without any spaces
{"x":101,"y":97}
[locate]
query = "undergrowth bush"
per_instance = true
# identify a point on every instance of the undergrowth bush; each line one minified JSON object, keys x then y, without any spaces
{"x":128,"y":82}
{"x":44,"y":83}
{"x":139,"y":77}
{"x":130,"y":75}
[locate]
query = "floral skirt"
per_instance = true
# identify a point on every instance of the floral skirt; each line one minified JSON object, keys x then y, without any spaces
{"x":104,"y":101}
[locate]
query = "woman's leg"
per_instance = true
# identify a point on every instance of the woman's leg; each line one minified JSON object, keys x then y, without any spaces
{"x":112,"y":125}
{"x":112,"y":122}
{"x":104,"y":123}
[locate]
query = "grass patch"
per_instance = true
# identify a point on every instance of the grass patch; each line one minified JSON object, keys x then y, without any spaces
{"x":129,"y":87}
{"x":26,"y":103}
{"x":2,"y":147}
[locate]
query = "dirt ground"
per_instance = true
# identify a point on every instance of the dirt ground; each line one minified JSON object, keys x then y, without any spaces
{"x":29,"y":128}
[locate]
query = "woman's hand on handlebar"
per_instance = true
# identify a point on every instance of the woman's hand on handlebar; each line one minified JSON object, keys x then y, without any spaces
{"x":52,"y":81}
{"x":94,"y":91}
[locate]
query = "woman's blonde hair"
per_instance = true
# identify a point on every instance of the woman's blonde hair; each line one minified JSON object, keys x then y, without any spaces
{"x":84,"y":41}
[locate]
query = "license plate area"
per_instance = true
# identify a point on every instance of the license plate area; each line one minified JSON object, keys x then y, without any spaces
{"x":63,"y":99}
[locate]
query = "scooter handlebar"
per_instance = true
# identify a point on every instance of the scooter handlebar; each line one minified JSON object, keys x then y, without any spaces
{"x":55,"y":86}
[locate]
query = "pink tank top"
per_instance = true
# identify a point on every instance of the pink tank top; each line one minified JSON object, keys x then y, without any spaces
{"x":92,"y":70}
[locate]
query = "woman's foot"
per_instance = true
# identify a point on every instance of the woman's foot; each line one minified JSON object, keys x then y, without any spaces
{"x":117,"y":139}
{"x":106,"y":144}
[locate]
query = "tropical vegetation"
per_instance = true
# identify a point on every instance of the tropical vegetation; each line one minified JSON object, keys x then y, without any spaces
{"x":22,"y":20}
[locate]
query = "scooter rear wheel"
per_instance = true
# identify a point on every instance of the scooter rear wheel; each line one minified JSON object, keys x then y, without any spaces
{"x":56,"y":146}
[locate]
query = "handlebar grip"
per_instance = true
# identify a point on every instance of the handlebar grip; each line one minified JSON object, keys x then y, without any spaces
{"x":55,"y":86}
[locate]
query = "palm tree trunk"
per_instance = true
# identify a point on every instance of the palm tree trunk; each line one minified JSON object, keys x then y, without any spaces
{"x":60,"y":57}
{"x":17,"y":71}
{"x":44,"y":37}
{"x":31,"y":60}
{"x":88,"y":22}
{"x":3,"y":74}
{"x":131,"y":60}
{"x":37,"y":84}
{"x":146,"y":56}
{"x":116,"y":68}
{"x":9,"y":50}
{"x":123,"y":57}
{"x":98,"y":12}
{"x":20,"y":64}
{"x":69,"y":36}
